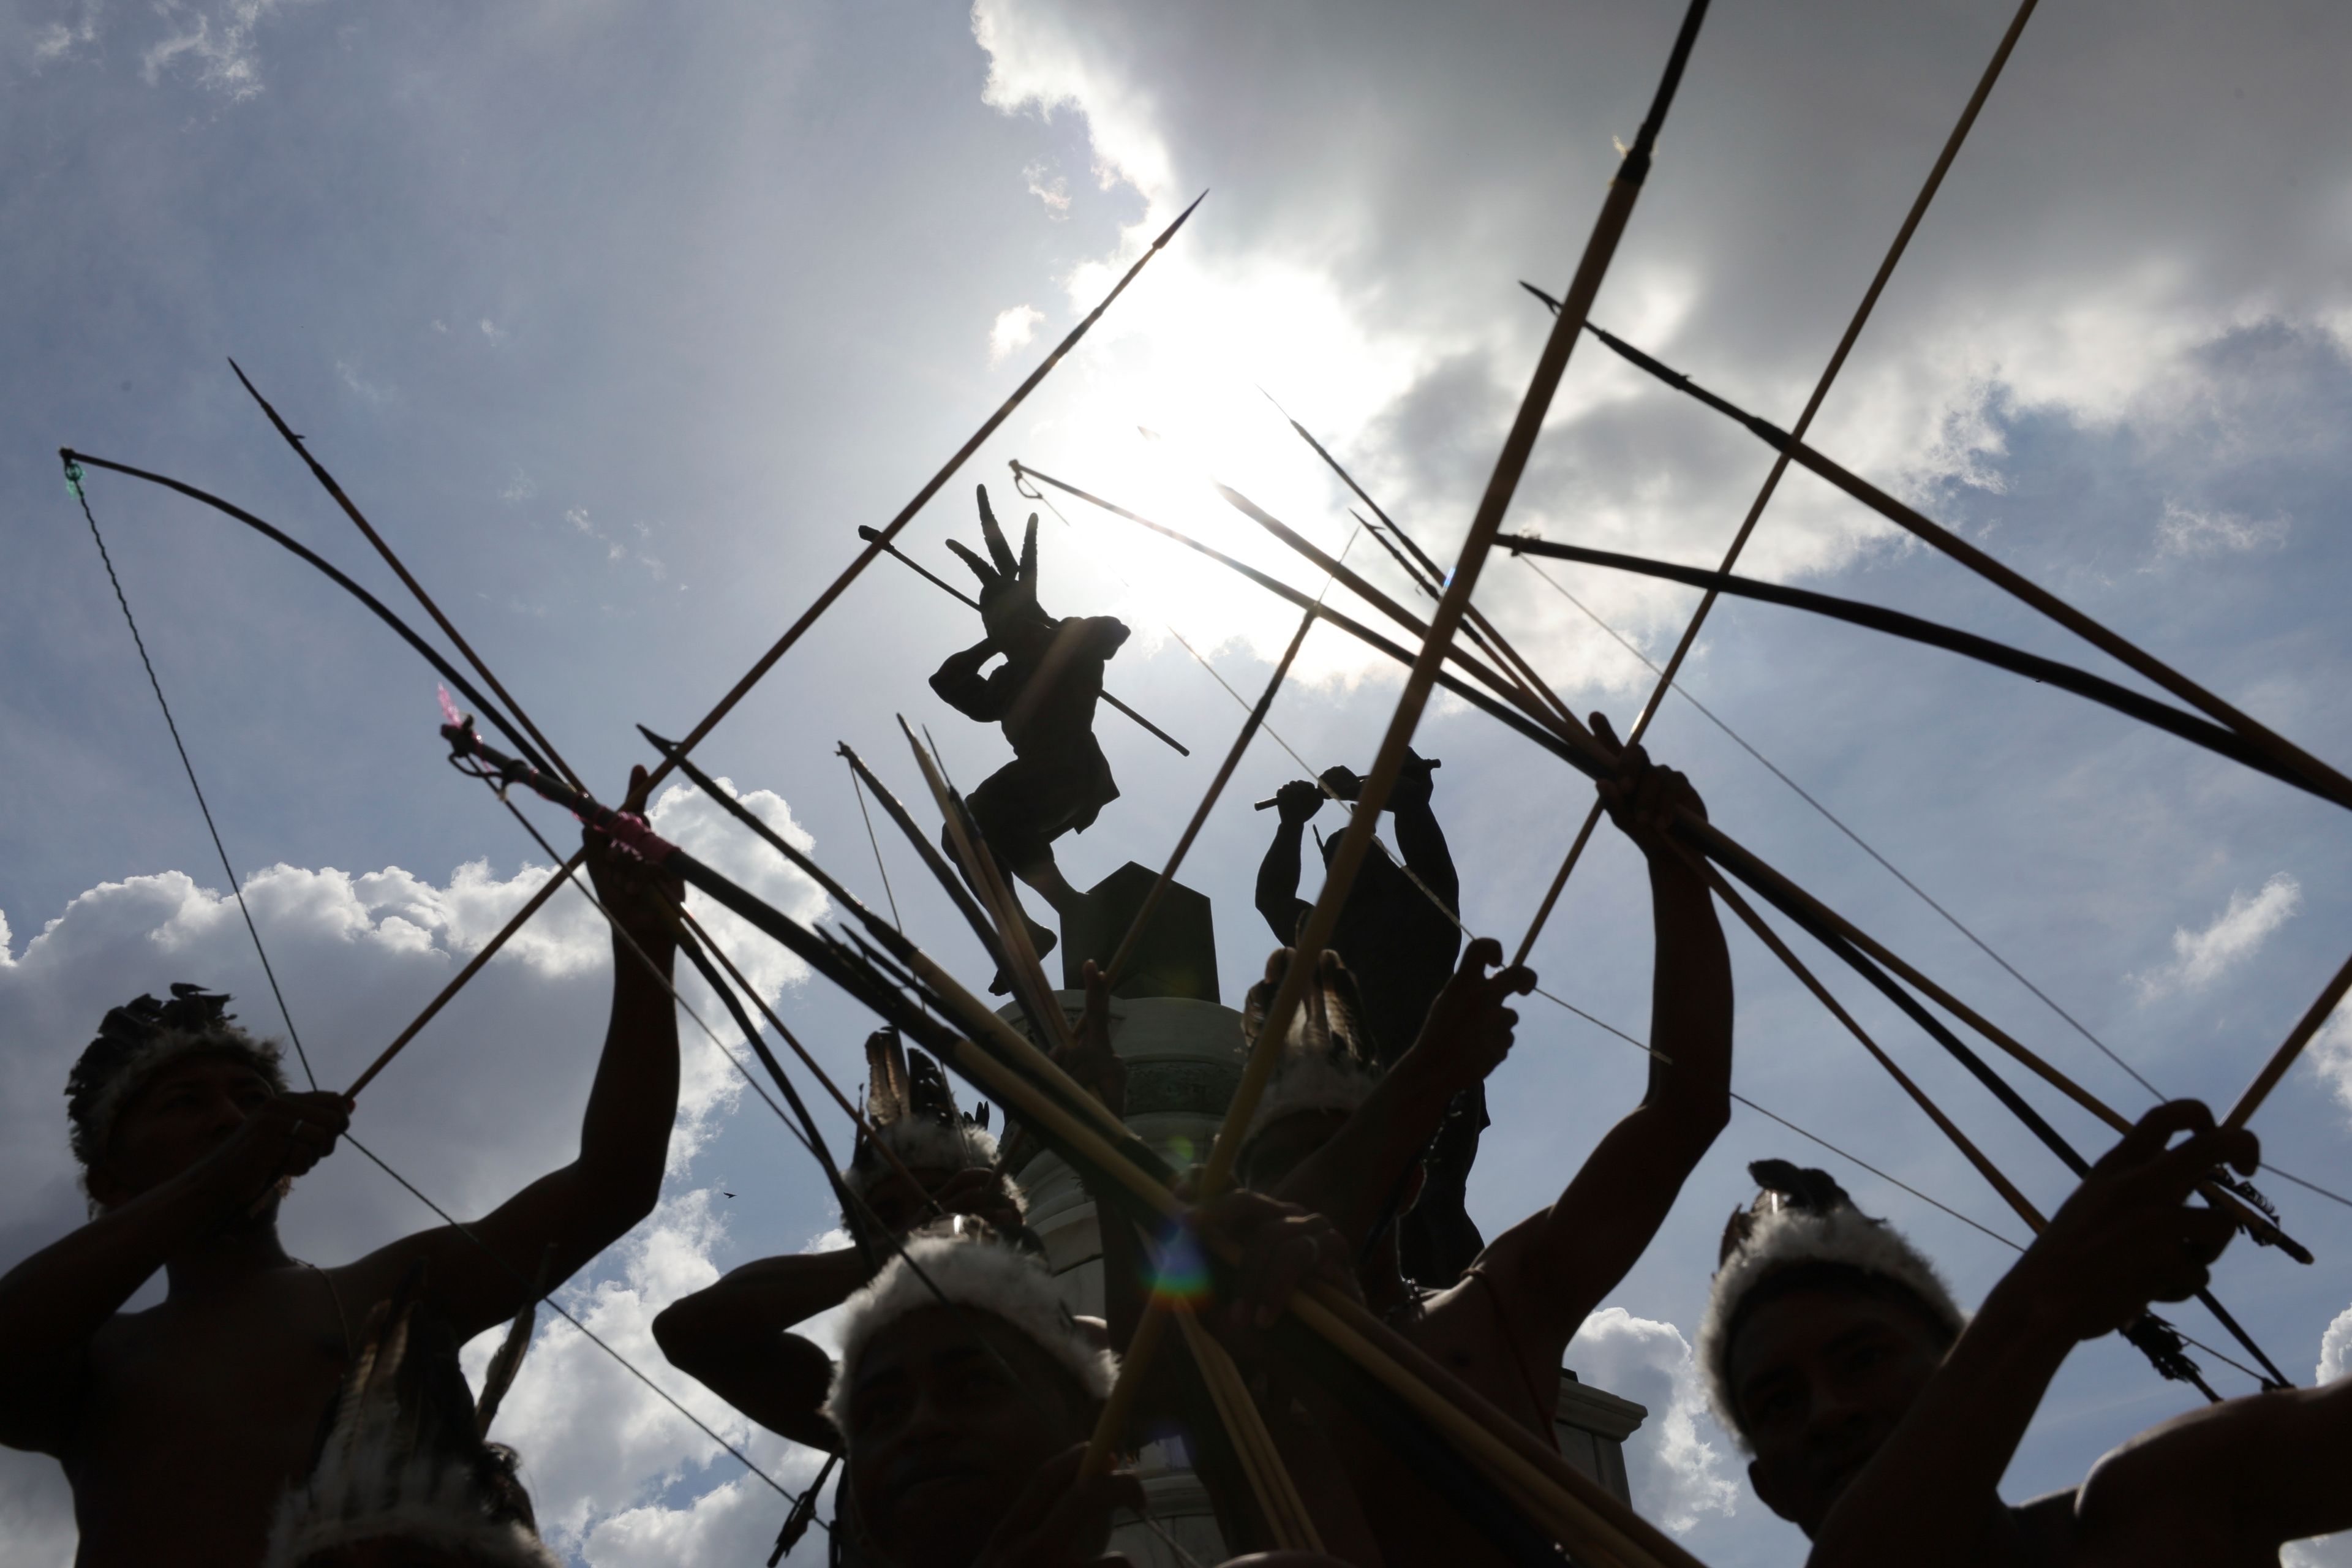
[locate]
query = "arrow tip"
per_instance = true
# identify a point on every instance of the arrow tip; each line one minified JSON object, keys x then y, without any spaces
{"x":869,"y":534}
{"x":1170,"y":232}
{"x":667,"y":748}
{"x":1540,"y":295}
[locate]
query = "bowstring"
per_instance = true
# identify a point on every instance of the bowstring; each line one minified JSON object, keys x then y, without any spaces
{"x":73,"y":483}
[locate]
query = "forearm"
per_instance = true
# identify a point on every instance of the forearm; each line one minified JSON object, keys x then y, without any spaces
{"x":1931,"y":1495}
{"x":958,"y":683}
{"x":1422,"y":844}
{"x":1351,"y":1180}
{"x":757,"y":1301}
{"x":1690,"y":1003}
{"x":1277,"y":880}
{"x":633,"y":1103}
{"x":54,"y":1301}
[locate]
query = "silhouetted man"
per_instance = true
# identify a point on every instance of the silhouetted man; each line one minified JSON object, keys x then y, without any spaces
{"x":1398,"y":938}
{"x":1882,"y":1419}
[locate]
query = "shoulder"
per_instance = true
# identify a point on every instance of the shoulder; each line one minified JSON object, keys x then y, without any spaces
{"x":2044,"y":1529}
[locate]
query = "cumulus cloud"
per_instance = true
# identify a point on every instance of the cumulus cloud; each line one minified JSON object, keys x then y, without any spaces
{"x":2236,"y":934}
{"x":1676,"y":1462}
{"x":1013,"y":329}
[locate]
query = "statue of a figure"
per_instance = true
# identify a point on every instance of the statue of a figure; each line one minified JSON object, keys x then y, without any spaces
{"x":1043,"y":694}
{"x":1401,"y":947}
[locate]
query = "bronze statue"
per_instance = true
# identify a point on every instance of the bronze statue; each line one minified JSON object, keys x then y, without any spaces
{"x":1399,"y":944}
{"x":1043,"y":694}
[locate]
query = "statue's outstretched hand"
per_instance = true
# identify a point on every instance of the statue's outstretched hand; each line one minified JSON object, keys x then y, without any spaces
{"x":1008,"y":584}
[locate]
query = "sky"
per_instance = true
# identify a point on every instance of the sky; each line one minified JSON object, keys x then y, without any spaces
{"x":618,"y":320}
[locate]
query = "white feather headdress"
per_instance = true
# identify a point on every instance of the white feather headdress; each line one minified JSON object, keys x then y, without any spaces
{"x":1327,"y":1064}
{"x":973,"y":1275}
{"x":912,"y":1110}
{"x":1802,"y":1218}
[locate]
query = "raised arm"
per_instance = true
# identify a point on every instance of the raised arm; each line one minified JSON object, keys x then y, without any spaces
{"x":961,"y":687}
{"x":730,"y":1339}
{"x":2223,"y":1483}
{"x":2127,"y":1236}
{"x":1419,"y":838}
{"x":53,"y":1302}
{"x":1296,"y":804}
{"x":616,"y":1178}
{"x":1557,"y":1263}
{"x":1353,"y":1180}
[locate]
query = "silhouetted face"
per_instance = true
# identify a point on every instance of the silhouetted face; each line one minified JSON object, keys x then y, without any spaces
{"x":185,"y":1113}
{"x":1821,"y":1376}
{"x":943,"y":1436}
{"x":1281,"y":1147}
{"x":899,"y":1204}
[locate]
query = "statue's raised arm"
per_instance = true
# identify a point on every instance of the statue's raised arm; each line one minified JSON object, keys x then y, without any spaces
{"x":1044,"y":695}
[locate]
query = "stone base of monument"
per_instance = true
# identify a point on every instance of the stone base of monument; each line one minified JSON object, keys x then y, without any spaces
{"x":1177,"y":956}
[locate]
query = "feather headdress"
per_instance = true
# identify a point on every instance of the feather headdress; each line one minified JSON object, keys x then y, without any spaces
{"x":1803,"y":1219}
{"x":976,"y":1272}
{"x":400,"y":1465}
{"x":1328,"y":1064}
{"x":913,"y":1112}
{"x":138,"y":1039}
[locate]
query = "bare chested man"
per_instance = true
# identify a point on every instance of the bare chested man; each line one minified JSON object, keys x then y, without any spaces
{"x":1504,"y":1328}
{"x":180,"y":1426}
{"x":1881,"y":1421}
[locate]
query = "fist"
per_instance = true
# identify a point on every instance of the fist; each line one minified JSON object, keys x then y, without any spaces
{"x":1642,"y":798}
{"x":1470,"y":1028}
{"x":283,"y":1138}
{"x":2129,"y":1235}
{"x":1299,"y":801}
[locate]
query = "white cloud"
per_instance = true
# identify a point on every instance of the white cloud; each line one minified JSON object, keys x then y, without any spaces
{"x":217,"y":42}
{"x":2330,"y":1053}
{"x":2184,"y":535}
{"x":2336,"y":1349}
{"x":616,"y":551}
{"x":55,"y":40}
{"x":492,"y":330}
{"x":1013,"y":329}
{"x":1675,"y":1463}
{"x":2237,"y":933}
{"x":347,"y":370}
{"x":1055,"y":192}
